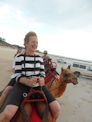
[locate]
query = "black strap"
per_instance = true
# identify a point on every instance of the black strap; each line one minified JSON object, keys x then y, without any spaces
{"x":24,"y":64}
{"x":34,"y":63}
{"x":44,"y":115}
{"x":24,"y":113}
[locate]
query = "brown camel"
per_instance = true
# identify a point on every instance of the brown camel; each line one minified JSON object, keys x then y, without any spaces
{"x":57,"y":86}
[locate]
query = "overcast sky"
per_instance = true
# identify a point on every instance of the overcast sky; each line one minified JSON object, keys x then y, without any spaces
{"x":64,"y":27}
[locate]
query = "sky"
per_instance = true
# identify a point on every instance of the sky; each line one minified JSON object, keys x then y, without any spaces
{"x":64,"y":27}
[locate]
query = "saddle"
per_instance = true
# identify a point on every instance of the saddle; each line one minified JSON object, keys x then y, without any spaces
{"x":34,"y":108}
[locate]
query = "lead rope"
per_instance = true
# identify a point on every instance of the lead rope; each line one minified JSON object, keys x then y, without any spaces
{"x":45,"y":116}
{"x":22,"y":108}
{"x":24,"y":64}
{"x":24,"y":113}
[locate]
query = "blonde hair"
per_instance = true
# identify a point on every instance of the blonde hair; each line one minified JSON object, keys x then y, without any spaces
{"x":29,"y":34}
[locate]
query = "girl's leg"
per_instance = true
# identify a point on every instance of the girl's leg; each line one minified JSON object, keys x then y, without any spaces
{"x":13,"y":101}
{"x":8,"y":113}
{"x":53,"y":103}
{"x":5,"y":93}
{"x":55,"y":109}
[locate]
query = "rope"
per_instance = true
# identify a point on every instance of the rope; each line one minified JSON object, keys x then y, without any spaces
{"x":25,"y":115}
{"x":43,"y":114}
{"x":46,"y":114}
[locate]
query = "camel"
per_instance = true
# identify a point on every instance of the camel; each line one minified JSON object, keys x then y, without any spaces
{"x":57,"y":86}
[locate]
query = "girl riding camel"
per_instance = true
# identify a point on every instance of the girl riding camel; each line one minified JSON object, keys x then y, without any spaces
{"x":28,"y":69}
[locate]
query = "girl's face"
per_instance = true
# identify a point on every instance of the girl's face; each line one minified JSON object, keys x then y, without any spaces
{"x":32,"y":44}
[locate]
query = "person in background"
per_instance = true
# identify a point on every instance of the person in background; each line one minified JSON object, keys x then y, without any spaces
{"x":28,"y":74}
{"x":45,"y":56}
{"x":9,"y":87}
{"x":48,"y":64}
{"x":46,"y":60}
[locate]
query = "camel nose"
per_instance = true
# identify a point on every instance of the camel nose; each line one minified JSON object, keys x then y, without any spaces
{"x":75,"y":83}
{"x":75,"y":80}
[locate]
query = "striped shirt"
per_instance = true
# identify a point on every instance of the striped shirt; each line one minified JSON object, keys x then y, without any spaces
{"x":29,"y":66}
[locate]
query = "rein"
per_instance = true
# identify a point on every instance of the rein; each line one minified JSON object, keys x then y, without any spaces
{"x":54,"y":79}
{"x":35,"y":101}
{"x":24,"y":113}
{"x":27,"y":99}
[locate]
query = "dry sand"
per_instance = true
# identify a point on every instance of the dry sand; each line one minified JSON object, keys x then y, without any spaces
{"x":76,"y":103}
{"x":6,"y":58}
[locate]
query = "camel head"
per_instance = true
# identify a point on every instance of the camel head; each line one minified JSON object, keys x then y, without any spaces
{"x":68,"y":76}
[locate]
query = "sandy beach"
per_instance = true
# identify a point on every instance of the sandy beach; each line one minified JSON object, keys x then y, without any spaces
{"x":76,"y":103}
{"x":6,"y":58}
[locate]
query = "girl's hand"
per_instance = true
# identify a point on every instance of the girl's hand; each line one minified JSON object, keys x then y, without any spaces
{"x":41,"y":81}
{"x":33,"y":80}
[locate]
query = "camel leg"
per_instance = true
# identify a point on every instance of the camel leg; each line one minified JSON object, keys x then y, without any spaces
{"x":8,"y":113}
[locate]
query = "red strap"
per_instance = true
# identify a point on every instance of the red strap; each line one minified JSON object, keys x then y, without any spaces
{"x":34,"y":115}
